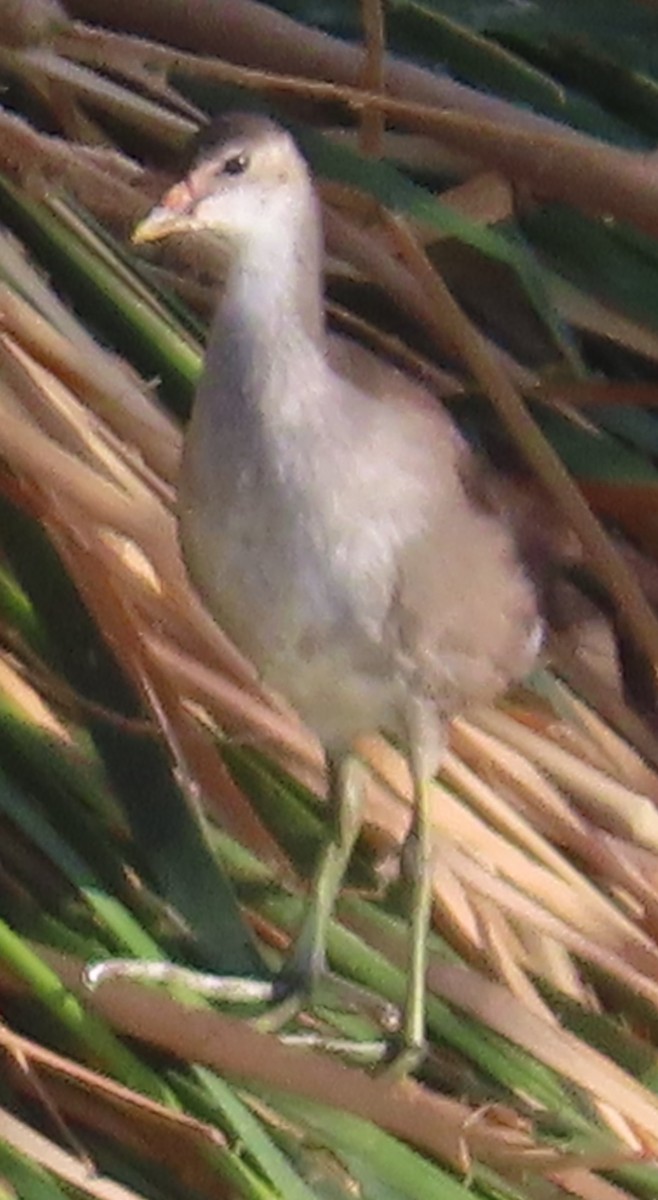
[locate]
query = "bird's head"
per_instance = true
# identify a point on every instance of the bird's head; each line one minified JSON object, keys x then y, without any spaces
{"x":247,"y":177}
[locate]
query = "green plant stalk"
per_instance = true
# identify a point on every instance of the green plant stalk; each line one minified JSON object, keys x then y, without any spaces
{"x":99,"y":1043}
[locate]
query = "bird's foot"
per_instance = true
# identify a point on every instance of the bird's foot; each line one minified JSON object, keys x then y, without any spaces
{"x":227,"y":989}
{"x":289,"y":994}
{"x":306,"y":984}
{"x":290,"y":997}
{"x":402,"y":1058}
{"x":296,"y":987}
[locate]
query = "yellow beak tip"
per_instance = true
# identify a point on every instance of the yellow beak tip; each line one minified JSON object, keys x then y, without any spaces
{"x":140,"y":234}
{"x":157,"y":225}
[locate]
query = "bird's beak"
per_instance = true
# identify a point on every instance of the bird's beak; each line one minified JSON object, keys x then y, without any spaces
{"x":175,"y":214}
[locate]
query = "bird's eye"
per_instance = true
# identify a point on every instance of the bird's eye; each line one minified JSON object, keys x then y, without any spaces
{"x":235,"y":165}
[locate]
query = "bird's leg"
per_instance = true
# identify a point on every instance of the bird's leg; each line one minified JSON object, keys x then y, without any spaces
{"x":308,"y":959}
{"x":345,"y":798}
{"x":415,"y":864}
{"x":307,"y":963}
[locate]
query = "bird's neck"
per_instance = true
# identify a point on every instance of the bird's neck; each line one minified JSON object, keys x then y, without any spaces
{"x":269,"y":328}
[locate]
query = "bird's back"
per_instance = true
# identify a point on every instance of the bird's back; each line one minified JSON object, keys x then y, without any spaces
{"x":356,"y":567}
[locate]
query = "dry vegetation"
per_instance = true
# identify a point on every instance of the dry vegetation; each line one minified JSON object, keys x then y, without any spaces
{"x":153,"y":803}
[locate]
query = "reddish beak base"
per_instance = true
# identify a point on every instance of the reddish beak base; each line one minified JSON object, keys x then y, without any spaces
{"x":174,"y":215}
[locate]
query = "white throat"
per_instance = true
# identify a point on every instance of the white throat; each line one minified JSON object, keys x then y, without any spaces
{"x":265,"y":368}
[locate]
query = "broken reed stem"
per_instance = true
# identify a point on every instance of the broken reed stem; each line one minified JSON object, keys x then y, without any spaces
{"x":373,"y":75}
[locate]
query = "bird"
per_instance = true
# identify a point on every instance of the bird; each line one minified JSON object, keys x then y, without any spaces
{"x":331,"y":520}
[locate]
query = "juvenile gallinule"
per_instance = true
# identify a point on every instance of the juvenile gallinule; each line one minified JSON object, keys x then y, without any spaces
{"x":328,"y":518}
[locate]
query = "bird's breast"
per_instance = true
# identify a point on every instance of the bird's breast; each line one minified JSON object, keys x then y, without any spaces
{"x":305,"y":601}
